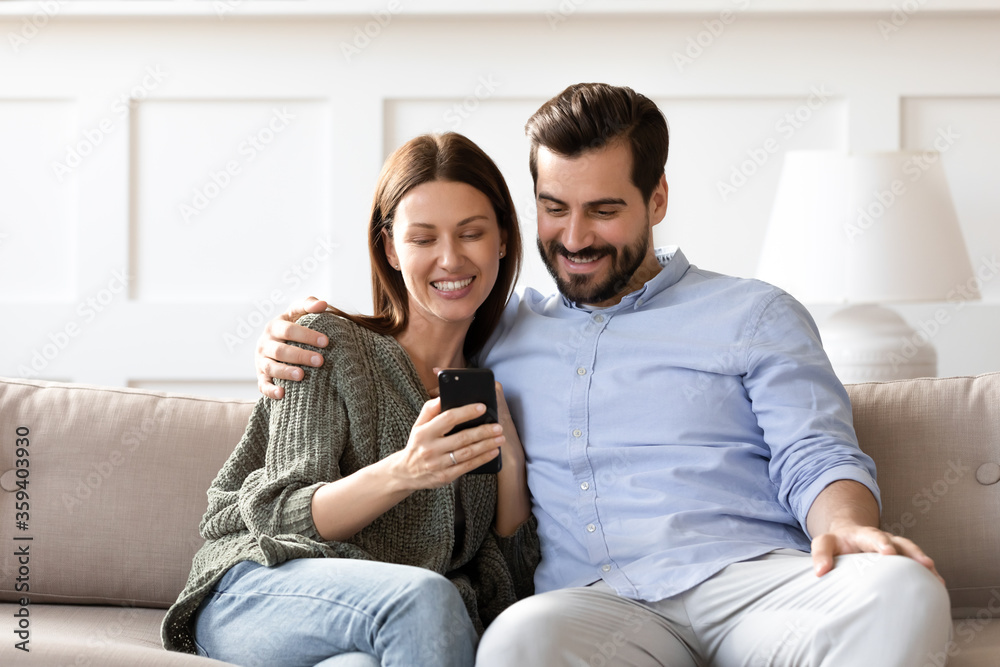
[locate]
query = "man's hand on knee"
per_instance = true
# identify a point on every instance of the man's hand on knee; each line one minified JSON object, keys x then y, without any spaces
{"x":852,"y":539}
{"x":844,"y":517}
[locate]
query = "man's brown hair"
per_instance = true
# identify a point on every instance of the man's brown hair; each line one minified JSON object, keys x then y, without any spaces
{"x":589,"y":116}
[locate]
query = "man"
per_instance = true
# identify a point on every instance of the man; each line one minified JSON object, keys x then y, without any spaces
{"x":687,"y":441}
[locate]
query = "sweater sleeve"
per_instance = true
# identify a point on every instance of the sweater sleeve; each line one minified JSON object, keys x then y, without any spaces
{"x":290,"y":449}
{"x":223,"y":515}
{"x":522,"y":554}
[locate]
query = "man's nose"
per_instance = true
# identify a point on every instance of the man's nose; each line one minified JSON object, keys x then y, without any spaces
{"x":578,"y":233}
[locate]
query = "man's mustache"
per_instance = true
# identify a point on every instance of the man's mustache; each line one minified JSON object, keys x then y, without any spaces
{"x":591,"y":252}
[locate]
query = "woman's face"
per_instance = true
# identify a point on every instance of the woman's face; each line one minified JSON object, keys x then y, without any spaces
{"x":447,"y":244}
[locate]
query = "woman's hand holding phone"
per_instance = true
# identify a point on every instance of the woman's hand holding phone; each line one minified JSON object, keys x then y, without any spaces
{"x":434,"y":457}
{"x":343,"y":507}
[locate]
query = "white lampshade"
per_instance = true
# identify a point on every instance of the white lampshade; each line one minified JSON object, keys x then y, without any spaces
{"x":865,"y":228}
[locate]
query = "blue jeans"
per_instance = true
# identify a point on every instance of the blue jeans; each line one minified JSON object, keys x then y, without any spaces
{"x":335,"y":612}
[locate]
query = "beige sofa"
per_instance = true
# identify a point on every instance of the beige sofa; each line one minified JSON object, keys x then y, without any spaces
{"x":117,"y":477}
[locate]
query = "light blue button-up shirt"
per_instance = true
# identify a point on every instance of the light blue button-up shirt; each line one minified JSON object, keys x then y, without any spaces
{"x":688,"y":427}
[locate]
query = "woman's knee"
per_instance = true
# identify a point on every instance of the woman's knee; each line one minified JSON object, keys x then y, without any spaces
{"x":431,"y":599}
{"x":426,"y":622}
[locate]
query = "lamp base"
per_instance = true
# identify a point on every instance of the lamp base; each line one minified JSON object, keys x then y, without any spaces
{"x":871,"y":343}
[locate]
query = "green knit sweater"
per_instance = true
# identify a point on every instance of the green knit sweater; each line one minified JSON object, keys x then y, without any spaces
{"x":356,"y":409}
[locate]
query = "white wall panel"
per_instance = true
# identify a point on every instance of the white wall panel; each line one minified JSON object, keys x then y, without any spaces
{"x":725,"y":159}
{"x":200,"y":292}
{"x":212,"y":181}
{"x":38,"y":225}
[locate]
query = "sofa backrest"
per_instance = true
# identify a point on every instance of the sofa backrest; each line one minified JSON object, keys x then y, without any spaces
{"x":936,"y":445}
{"x":117,"y":480}
{"x":115,"y":488}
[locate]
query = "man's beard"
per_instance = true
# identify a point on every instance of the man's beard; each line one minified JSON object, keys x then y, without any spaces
{"x":582,"y":288}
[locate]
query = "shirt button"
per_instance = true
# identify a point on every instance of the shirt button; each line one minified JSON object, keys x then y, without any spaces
{"x":605,"y":568}
{"x":585,"y":486}
{"x":599,"y":318}
{"x":638,"y":302}
{"x":577,"y":433}
{"x":581,"y":371}
{"x":591,"y":527}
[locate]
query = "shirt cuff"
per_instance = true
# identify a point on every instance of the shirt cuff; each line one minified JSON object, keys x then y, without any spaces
{"x":842,"y":472}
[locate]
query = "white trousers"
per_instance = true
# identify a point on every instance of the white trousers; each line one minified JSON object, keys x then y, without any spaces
{"x":772,"y":611}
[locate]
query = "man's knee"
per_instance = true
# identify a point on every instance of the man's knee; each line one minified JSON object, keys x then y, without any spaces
{"x":900,"y":586}
{"x":526,"y":626}
{"x":904,"y":581}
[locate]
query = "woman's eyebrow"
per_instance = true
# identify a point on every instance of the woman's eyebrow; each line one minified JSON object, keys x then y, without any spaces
{"x":427,"y":225}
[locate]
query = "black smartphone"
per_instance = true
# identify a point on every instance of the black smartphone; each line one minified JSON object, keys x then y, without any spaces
{"x":462,"y":386}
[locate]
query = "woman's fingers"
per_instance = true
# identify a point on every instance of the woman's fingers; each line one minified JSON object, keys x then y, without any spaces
{"x":465,"y":466}
{"x":449,"y":419}
{"x":431,"y":409}
{"x":473,"y":450}
{"x":476,"y":434}
{"x":435,"y":458}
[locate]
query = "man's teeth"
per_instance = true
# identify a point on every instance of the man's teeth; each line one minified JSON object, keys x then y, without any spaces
{"x":580,"y":259}
{"x":449,"y":286}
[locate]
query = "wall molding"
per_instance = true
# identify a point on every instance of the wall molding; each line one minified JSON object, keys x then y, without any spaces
{"x":224,"y":9}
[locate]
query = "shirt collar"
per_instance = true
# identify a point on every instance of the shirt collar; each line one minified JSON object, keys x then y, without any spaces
{"x":674,"y":265}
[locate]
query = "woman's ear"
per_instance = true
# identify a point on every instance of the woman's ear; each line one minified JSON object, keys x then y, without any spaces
{"x":390,"y":249}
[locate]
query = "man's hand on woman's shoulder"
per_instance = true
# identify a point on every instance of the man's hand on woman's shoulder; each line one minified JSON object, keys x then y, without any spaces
{"x":273,"y":354}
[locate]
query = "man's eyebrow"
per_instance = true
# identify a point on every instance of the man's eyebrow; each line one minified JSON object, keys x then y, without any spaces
{"x":427,"y":225}
{"x":605,"y":201}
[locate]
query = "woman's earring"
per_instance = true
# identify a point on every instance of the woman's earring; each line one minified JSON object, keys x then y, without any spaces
{"x":397,"y":267}
{"x":501,"y":254}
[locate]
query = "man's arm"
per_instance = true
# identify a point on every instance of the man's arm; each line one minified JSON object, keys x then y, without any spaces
{"x":824,"y":479}
{"x":273,"y":355}
{"x":844,"y":518}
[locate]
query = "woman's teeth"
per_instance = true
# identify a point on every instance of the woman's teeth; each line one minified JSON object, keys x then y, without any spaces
{"x":449,"y":286}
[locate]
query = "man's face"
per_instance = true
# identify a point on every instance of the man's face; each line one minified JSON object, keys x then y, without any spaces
{"x":594,"y":230}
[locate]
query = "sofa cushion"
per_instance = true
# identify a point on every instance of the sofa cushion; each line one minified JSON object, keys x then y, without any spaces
{"x":116,"y":486}
{"x":929,"y":437}
{"x":85,"y":636}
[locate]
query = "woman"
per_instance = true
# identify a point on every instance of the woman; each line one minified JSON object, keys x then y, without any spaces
{"x":342,"y":524}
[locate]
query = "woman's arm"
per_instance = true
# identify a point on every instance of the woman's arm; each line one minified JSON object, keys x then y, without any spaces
{"x":301,"y":488}
{"x":342,"y":508}
{"x":513,"y":500}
